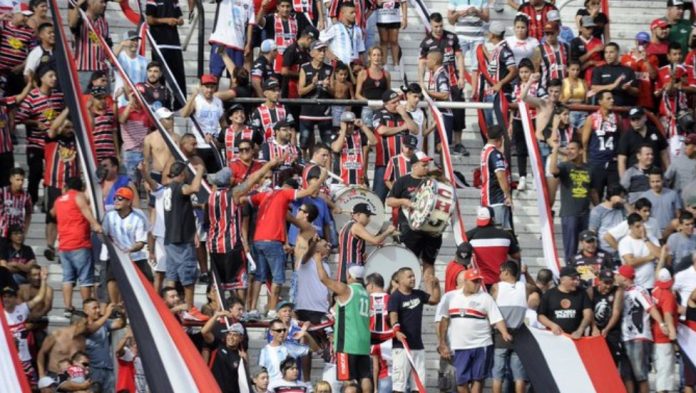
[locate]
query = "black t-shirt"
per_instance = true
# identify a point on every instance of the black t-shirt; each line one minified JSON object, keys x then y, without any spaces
{"x":404,"y":187}
{"x":410,"y":310}
{"x":608,"y":73}
{"x":163,"y":33}
{"x":157,"y":96}
{"x":565,"y":309}
{"x":577,"y":48}
{"x":225,"y":368}
{"x":323,"y":74}
{"x":220,"y":332}
{"x":589,"y":266}
{"x":180,"y":223}
{"x":262,"y":69}
{"x":24,"y":255}
{"x":631,"y":140}
{"x":575,"y":189}
{"x":603,"y":306}
{"x":293,"y":57}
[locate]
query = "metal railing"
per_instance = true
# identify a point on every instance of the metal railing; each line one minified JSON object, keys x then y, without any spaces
{"x":368,"y":103}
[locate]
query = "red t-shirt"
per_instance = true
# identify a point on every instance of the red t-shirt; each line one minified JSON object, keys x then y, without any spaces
{"x":645,"y":84}
{"x":73,"y":227}
{"x":273,"y":207}
{"x":664,"y":301}
{"x":451,"y":272}
{"x":240,"y":170}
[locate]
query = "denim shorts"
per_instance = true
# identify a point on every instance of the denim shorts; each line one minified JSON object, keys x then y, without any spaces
{"x":182,"y":264}
{"x":131,"y":159}
{"x":638,"y":352}
{"x":77,"y":265}
{"x":500,"y":360}
{"x":270,"y":260}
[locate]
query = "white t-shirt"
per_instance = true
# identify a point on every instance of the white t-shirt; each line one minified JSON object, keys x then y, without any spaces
{"x":522,"y":48}
{"x":636,"y":317}
{"x":621,"y":230}
{"x":418,"y":116}
{"x":441,"y":310}
{"x":645,"y":273}
{"x":158,"y":225}
{"x":470,"y":320}
{"x":389,"y":11}
{"x":16,"y":322}
{"x":311,"y":294}
{"x":33,"y":60}
{"x":685,"y":283}
{"x":208,"y":115}
{"x":230,"y":27}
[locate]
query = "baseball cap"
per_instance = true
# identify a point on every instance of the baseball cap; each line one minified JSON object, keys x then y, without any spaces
{"x":363,"y":208}
{"x":643,"y":37}
{"x":675,"y":3}
{"x":9,"y":291}
{"x":588,"y":235}
{"x":132,"y":35}
{"x":268,"y":45}
{"x":664,"y":275}
{"x":347,"y":117}
{"x":221,"y":178}
{"x":125,"y":193}
{"x":270,"y":84}
{"x":235,"y":328}
{"x":659,"y":22}
{"x":98,"y":91}
{"x":606,"y":275}
{"x":484,"y":216}
{"x":310,"y":32}
{"x":284,"y":304}
{"x":636,"y":112}
{"x":464,"y":250}
{"x":690,"y":139}
{"x":472,"y":275}
{"x":176,"y":168}
{"x":389,"y":95}
{"x":627,"y":271}
{"x":496,"y":28}
{"x":356,"y":271}
{"x":587,"y":21}
{"x":410,"y":141}
{"x":551,"y":27}
{"x":568,"y":271}
{"x":420,"y":157}
{"x":164,"y":113}
{"x":280,"y":124}
{"x":318,"y":44}
{"x":23,"y":9}
{"x":553,"y":16}
{"x":208,"y":79}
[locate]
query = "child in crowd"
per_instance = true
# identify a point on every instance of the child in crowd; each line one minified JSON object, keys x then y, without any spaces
{"x":343,"y":90}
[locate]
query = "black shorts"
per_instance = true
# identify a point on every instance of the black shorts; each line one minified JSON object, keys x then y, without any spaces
{"x":394,"y":25}
{"x":425,"y":247}
{"x":52,"y":193}
{"x":314,"y":317}
{"x":602,"y":175}
{"x":231,"y":269}
{"x":353,"y":367}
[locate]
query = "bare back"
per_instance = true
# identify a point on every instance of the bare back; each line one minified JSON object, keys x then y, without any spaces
{"x":158,"y":151}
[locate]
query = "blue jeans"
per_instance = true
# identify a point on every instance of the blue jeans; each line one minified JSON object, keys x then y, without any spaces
{"x":378,"y":185}
{"x":384,"y":385}
{"x":572,"y":226}
{"x":131,"y":159}
{"x":577,"y":119}
{"x":105,"y":377}
{"x":270,"y":260}
{"x":77,"y":266}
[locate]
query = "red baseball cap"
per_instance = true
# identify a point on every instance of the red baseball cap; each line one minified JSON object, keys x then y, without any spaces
{"x":125,"y":193}
{"x":627,"y":271}
{"x":659,"y":22}
{"x":208,"y":79}
{"x":472,"y":275}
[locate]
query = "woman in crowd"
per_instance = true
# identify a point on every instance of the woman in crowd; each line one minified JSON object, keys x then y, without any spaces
{"x":372,"y":82}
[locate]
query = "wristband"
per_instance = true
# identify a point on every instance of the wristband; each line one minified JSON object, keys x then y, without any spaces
{"x":396,"y":328}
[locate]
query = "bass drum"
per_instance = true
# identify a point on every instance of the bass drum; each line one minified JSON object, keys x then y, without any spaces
{"x":433,"y":204}
{"x":347,"y":197}
{"x":388,"y":259}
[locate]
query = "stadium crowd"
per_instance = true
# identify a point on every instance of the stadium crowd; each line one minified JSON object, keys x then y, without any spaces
{"x":256,"y":193}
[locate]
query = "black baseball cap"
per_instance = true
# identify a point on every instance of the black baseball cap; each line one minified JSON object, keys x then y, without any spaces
{"x":606,"y":275}
{"x":9,"y":291}
{"x":636,"y":112}
{"x":310,"y":32}
{"x":588,"y":235}
{"x":270,"y":84}
{"x":464,"y":251}
{"x":280,"y":124}
{"x":363,"y":208}
{"x":389,"y":95}
{"x":569,"y":271}
{"x":410,"y":141}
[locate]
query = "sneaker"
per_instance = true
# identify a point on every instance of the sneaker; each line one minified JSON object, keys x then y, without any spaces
{"x":68,"y":313}
{"x":204,"y":278}
{"x":50,"y":253}
{"x":194,"y":314}
{"x":461,"y":149}
{"x":253,"y":315}
{"x":271,"y":314}
{"x":521,"y":184}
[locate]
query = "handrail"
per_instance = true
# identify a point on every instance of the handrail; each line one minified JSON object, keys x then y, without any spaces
{"x":189,"y":34}
{"x":201,"y":36}
{"x":369,"y":103}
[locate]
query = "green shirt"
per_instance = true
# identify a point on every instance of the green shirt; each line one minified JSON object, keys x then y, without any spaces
{"x":352,"y":334}
{"x":680,"y":32}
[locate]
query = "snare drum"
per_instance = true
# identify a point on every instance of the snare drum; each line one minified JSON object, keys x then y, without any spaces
{"x":388,"y":259}
{"x":347,"y":197}
{"x":432,"y":206}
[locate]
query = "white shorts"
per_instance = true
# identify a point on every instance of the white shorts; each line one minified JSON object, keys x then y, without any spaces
{"x":401,"y":368}
{"x":160,"y":255}
{"x":664,"y":367}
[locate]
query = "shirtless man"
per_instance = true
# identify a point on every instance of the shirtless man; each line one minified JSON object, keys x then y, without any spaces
{"x":187,"y":145}
{"x":27,"y":292}
{"x":307,"y":213}
{"x":156,"y":152}
{"x":61,"y":344}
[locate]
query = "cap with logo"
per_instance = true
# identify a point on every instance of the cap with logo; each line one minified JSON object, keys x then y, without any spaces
{"x":420,"y":157}
{"x":659,"y":22}
{"x":606,"y":275}
{"x":318,"y":44}
{"x":473,"y":275}
{"x":568,"y":271}
{"x":410,"y":141}
{"x":553,"y":16}
{"x":675,"y":3}
{"x":587,"y":21}
{"x":464,"y":251}
{"x":643,"y":37}
{"x":268,"y":45}
{"x":271,"y":84}
{"x":636,"y":112}
{"x":363,"y":208}
{"x":484,"y":216}
{"x":347,"y":117}
{"x":389,"y":95}
{"x":588,"y":235}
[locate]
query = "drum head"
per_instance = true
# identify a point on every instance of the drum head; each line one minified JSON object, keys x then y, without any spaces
{"x":350,"y":196}
{"x":388,"y":259}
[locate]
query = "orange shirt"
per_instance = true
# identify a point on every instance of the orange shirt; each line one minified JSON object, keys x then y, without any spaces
{"x":645,"y":83}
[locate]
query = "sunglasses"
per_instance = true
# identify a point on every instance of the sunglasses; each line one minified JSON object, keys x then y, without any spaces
{"x":279,"y":330}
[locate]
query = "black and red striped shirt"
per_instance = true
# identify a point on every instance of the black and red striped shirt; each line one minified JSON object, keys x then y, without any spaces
{"x":15,"y":43}
{"x":351,"y":250}
{"x":15,"y":207}
{"x":231,"y":138}
{"x":387,"y":145}
{"x":60,"y":154}
{"x":103,"y":128}
{"x":6,"y":104}
{"x":397,"y":167}
{"x":89,"y":55}
{"x":42,"y":109}
{"x":225,"y":222}
{"x":351,"y":162}
{"x":271,"y":150}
